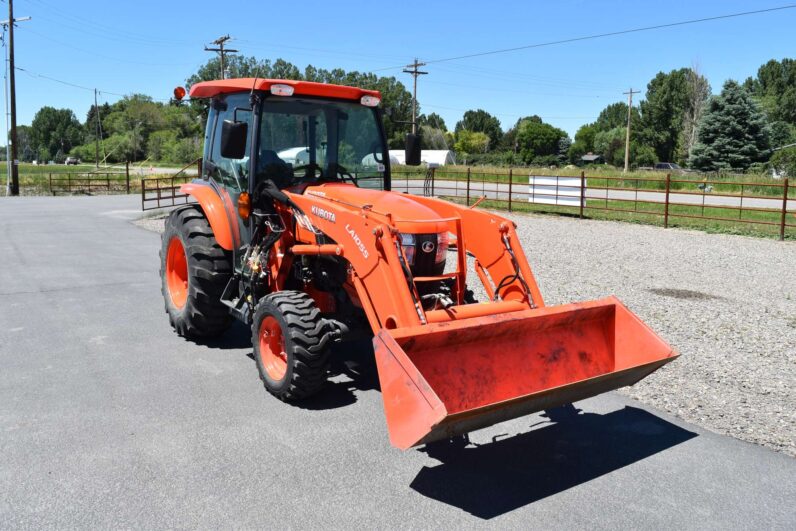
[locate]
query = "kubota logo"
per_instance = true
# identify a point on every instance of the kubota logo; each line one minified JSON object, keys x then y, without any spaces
{"x":357,"y":240}
{"x":427,"y":247}
{"x":324,"y":214}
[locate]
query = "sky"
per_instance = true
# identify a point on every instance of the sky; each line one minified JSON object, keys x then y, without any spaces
{"x":145,"y":46}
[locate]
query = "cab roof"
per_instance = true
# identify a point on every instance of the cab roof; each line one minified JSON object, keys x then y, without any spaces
{"x":209,"y":89}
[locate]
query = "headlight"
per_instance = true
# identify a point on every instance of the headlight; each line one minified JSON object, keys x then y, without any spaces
{"x":443,"y":239}
{"x":408,"y":244}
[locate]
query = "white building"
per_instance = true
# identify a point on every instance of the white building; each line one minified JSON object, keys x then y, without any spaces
{"x":433,"y":158}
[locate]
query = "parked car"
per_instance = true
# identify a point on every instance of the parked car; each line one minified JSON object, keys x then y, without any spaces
{"x":72,"y":161}
{"x":671,"y":167}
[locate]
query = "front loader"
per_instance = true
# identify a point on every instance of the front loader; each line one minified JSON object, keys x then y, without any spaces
{"x":295,"y":231}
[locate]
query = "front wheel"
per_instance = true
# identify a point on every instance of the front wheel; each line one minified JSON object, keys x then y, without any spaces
{"x":291,"y":345}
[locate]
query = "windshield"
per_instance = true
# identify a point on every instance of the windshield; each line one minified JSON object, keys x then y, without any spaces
{"x":307,"y":140}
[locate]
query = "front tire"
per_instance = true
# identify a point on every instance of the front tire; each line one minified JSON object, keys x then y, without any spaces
{"x":291,"y":345}
{"x":194,"y":271}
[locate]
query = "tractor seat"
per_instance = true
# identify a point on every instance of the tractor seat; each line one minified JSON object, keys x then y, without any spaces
{"x":270,"y":166}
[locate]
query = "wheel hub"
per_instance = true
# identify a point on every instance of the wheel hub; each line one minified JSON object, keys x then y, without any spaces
{"x":177,"y":273}
{"x":273,"y":355}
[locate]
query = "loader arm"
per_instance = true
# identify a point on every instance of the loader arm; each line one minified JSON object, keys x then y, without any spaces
{"x":448,"y":371}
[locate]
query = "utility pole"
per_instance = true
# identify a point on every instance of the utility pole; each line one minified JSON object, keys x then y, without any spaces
{"x":12,"y":137}
{"x":96,"y":131}
{"x":413,"y":70}
{"x":627,"y":137}
{"x":221,"y":51}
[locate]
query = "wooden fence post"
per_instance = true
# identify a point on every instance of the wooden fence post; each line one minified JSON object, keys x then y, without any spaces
{"x":127,"y":174}
{"x":433,"y":178}
{"x":582,"y":192}
{"x":666,"y":205}
{"x":511,"y":178}
{"x":51,"y":184}
{"x":69,"y":182}
{"x":468,"y":186}
{"x":784,"y":209}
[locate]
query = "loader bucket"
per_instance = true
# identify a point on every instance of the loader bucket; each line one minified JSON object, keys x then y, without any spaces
{"x":443,"y":379}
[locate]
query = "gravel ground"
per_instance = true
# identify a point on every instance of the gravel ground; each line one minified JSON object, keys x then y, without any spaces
{"x":726,"y":303}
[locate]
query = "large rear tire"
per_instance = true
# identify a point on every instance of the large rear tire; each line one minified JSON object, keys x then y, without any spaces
{"x":291,"y":345}
{"x":194,"y":271}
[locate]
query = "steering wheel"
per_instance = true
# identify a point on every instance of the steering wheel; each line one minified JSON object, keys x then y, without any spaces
{"x":313,"y":171}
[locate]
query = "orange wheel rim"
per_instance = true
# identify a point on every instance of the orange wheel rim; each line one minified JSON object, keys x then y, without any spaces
{"x":177,"y":273}
{"x":272,"y":348}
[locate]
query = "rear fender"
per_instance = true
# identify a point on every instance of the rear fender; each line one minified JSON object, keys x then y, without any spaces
{"x":218,"y":211}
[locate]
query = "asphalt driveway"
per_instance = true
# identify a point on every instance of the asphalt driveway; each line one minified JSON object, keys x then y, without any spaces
{"x":108,"y":419}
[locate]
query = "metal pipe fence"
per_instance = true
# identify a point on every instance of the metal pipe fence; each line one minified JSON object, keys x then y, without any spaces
{"x":771,"y":204}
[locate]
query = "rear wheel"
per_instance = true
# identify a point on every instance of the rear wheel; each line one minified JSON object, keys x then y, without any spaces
{"x":194,"y":270}
{"x":291,"y":345}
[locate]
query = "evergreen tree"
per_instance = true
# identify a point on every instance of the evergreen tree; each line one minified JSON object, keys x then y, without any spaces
{"x":733,"y":132}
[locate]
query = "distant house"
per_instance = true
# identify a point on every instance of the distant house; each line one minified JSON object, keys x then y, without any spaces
{"x":591,"y":158}
{"x":433,"y":158}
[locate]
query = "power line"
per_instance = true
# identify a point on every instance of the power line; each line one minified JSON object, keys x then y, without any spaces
{"x":514,"y":115}
{"x":75,"y":85}
{"x":602,"y":35}
{"x":95,"y":54}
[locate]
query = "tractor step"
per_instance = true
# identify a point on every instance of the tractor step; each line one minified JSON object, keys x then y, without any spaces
{"x":237,"y":305}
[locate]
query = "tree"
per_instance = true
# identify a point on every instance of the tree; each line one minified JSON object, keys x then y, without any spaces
{"x":775,"y":88}
{"x":509,"y":139}
{"x":782,"y":134}
{"x":611,"y":145}
{"x":53,"y":130}
{"x":433,"y":138}
{"x":698,"y":96}
{"x":784,"y":161}
{"x":481,"y":121}
{"x":538,"y":140}
{"x":471,"y":142}
{"x":733,"y":132}
{"x":434,"y":120}
{"x":663,"y":111}
{"x":615,"y":115}
{"x":25,"y":148}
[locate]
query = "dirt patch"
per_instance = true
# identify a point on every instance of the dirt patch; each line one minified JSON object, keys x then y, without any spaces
{"x":684,"y":294}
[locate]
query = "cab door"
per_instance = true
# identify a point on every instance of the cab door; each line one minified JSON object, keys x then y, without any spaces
{"x":229,"y":177}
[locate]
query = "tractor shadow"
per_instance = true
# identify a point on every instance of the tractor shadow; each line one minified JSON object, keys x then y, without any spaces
{"x":492,"y":479}
{"x":238,"y":336}
{"x":352,"y":369}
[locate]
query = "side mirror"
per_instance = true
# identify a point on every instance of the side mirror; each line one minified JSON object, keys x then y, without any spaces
{"x":233,"y":139}
{"x":412,"y":152}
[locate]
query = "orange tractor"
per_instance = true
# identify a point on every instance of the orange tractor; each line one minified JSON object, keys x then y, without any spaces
{"x":295,"y":231}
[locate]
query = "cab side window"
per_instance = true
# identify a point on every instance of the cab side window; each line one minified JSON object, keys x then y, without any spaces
{"x":231,"y":173}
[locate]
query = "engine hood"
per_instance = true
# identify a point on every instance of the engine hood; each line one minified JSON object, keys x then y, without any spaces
{"x":408,"y":214}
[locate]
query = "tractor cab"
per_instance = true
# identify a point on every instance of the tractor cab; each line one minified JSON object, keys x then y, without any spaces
{"x":290,"y":134}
